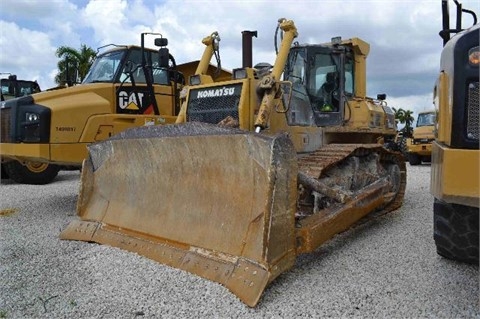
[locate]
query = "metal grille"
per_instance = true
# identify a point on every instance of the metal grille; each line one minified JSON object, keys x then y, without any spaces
{"x":390,"y":116}
{"x":5,"y":125}
{"x":213,"y":104}
{"x":472,"y":110}
{"x":423,"y":141}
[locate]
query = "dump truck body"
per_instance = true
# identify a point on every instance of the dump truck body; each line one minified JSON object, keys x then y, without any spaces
{"x":253,"y":173}
{"x":455,"y":152}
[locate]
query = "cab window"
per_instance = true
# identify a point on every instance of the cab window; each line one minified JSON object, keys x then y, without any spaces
{"x":160,"y":75}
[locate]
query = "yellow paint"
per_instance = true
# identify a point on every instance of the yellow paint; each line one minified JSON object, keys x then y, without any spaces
{"x":455,"y":175}
{"x":8,"y":211}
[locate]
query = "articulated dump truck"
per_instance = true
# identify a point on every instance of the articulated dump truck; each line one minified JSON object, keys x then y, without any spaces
{"x":419,"y":146}
{"x":454,"y":180}
{"x":127,"y":86}
{"x":257,"y":170}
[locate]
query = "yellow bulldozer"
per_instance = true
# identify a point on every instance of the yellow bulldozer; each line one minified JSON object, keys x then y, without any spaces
{"x":127,"y":86}
{"x":257,"y":169}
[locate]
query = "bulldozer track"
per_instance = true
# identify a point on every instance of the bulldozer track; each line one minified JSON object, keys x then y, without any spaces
{"x":317,"y":163}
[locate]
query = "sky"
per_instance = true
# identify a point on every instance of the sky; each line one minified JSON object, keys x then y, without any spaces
{"x":403,"y":34}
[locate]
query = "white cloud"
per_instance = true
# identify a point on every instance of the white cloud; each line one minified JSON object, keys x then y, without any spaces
{"x":25,"y":52}
{"x":403,"y":35}
{"x":414,"y":103}
{"x":107,"y":19}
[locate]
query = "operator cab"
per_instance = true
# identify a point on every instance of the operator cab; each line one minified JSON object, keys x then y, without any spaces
{"x":124,"y":65}
{"x":322,"y":78}
{"x":146,"y":73}
{"x":12,"y":88}
{"x":426,"y":119}
{"x":136,"y":65}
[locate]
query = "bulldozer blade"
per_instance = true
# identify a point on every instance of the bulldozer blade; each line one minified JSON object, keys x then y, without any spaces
{"x":217,"y":202}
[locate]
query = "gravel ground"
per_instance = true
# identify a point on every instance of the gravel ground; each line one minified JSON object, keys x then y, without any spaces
{"x":384,"y":268}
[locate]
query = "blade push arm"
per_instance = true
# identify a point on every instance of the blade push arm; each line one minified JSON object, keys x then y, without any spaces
{"x":269,"y":84}
{"x":211,"y":43}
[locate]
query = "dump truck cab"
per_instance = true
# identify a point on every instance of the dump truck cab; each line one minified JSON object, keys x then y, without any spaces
{"x":11,"y":87}
{"x":126,"y":86}
{"x":419,"y":146}
{"x":455,"y":167}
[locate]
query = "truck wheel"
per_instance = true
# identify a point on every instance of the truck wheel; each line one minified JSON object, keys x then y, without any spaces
{"x":456,"y":231}
{"x":427,"y":159}
{"x":32,"y":172}
{"x":403,"y":146}
{"x":3,"y":173}
{"x":414,"y":159}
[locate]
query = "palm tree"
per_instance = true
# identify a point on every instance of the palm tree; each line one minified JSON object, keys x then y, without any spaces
{"x":405,"y":117}
{"x":408,"y":120}
{"x":74,"y":64}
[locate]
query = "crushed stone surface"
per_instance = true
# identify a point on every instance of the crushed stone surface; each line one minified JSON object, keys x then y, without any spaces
{"x":386,"y":267}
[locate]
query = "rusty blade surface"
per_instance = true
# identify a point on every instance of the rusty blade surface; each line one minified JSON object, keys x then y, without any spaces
{"x":217,"y":202}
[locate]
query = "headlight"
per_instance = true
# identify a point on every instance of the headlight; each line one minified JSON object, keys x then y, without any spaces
{"x":239,"y":74}
{"x":195,"y":80}
{"x":32,"y":117}
{"x":474,"y":56}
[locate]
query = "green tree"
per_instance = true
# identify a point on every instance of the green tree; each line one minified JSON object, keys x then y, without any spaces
{"x":77,"y":62}
{"x":408,"y":118}
{"x":405,"y":117}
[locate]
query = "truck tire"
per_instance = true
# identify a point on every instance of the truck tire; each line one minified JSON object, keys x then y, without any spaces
{"x":403,"y":146}
{"x":427,"y":159}
{"x":456,"y":231}
{"x":31,"y":173}
{"x":414,"y":159}
{"x":3,"y":173}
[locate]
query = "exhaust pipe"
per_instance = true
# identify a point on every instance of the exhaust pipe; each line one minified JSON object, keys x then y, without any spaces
{"x":247,"y":60}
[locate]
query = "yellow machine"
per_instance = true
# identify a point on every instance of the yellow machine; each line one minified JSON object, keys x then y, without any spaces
{"x":127,"y":86}
{"x":257,"y":171}
{"x":11,"y":87}
{"x":419,"y":146}
{"x":455,"y":171}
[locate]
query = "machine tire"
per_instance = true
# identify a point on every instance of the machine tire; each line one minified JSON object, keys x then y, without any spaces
{"x":414,"y":159}
{"x":403,"y":146}
{"x":427,"y":159}
{"x":456,"y":231}
{"x":3,"y":173}
{"x":32,"y":173}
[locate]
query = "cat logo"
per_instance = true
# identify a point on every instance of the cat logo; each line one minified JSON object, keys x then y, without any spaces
{"x":130,"y":101}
